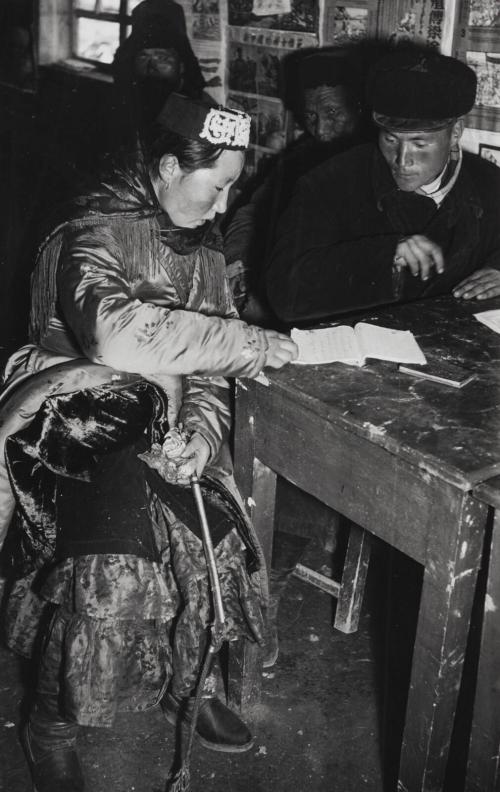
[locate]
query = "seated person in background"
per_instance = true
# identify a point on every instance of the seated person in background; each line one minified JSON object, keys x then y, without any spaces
{"x":327,"y":105}
{"x":410,"y":218}
{"x":327,"y":91}
{"x":133,"y":331}
{"x":156,"y":59}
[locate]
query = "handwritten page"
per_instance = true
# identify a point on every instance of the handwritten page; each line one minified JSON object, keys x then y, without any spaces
{"x":353,"y":346}
{"x":327,"y":345}
{"x":490,"y":318}
{"x":383,"y":343}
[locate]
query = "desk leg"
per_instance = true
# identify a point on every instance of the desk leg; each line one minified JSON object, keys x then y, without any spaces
{"x":257,"y":485}
{"x":453,"y":558}
{"x":352,"y":586}
{"x":257,"y":482}
{"x":244,"y":679}
{"x":483,"y":772}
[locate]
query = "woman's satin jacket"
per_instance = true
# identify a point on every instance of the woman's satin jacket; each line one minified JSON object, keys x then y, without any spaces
{"x":117,"y":285}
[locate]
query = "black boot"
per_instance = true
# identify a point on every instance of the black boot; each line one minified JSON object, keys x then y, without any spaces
{"x":217,"y":727}
{"x":287,"y":552}
{"x":50,"y":745}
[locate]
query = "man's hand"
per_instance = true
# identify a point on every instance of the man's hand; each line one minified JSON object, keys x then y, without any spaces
{"x":481,"y":285}
{"x":420,"y":255}
{"x":193,"y":459}
{"x":281,"y":349}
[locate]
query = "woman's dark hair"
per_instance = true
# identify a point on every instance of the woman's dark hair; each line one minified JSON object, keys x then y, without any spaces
{"x":191,"y":154}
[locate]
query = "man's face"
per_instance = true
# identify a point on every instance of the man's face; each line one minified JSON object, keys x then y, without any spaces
{"x":159,"y":63}
{"x":416,"y":158}
{"x":328,"y":114}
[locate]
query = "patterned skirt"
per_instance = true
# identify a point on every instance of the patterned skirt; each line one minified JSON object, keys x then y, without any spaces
{"x":120,"y":629}
{"x":115,"y":626}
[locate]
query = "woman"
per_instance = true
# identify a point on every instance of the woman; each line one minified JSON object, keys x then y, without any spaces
{"x":133,"y":331}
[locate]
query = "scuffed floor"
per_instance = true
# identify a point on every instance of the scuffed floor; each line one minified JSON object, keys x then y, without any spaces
{"x":328,"y":721}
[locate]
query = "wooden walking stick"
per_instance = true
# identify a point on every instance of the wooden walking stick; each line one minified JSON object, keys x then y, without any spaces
{"x":181,"y":782}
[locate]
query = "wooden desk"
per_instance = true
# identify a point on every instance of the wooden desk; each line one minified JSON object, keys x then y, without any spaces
{"x":483,"y":772}
{"x":398,"y":456}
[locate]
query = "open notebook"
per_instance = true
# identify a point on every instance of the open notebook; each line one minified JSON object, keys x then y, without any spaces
{"x":355,"y":345}
{"x":490,"y":318}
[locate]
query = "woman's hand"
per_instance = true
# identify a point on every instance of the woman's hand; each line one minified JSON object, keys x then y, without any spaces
{"x":281,"y":349}
{"x":193,"y":459}
{"x":481,"y":285}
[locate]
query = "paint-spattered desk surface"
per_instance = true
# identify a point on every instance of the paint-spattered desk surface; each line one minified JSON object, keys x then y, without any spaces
{"x":451,"y":433}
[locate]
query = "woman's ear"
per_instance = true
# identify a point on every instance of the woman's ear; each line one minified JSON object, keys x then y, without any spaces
{"x":167,"y":166}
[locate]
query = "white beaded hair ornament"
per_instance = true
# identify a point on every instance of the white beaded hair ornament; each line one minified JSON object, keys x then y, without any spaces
{"x":223,"y":127}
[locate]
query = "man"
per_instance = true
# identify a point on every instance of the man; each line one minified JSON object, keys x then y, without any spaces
{"x":326,"y":103}
{"x":154,"y":61}
{"x":409,"y":218}
{"x":331,"y":105}
{"x":324,"y":95}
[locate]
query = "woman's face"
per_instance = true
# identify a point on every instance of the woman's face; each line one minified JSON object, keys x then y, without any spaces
{"x":190,"y":199}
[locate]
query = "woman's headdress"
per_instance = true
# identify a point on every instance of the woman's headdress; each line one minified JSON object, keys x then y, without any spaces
{"x":221,"y":126}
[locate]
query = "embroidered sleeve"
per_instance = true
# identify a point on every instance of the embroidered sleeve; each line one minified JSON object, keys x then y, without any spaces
{"x":115,"y":328}
{"x":205,"y":410}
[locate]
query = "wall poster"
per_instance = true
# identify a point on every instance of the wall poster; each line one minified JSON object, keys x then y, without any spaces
{"x":491,"y":153}
{"x":212,"y":67}
{"x":206,"y":22}
{"x":421,"y":21}
{"x":260,"y":34}
{"x":303,"y":15}
{"x":483,"y":31}
{"x":487,"y":67}
{"x":484,"y":13}
{"x":344,"y":23}
{"x":254,"y":58}
{"x":254,"y":70}
{"x":477,"y":42}
{"x":268,"y":119}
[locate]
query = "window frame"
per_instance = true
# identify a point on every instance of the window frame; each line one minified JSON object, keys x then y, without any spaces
{"x":122,"y":18}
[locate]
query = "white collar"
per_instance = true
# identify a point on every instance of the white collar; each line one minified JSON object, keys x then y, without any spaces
{"x":435,"y":184}
{"x":433,"y":189}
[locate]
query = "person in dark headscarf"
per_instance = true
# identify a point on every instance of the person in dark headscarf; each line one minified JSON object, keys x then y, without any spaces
{"x":329,"y":93}
{"x":323,"y":91}
{"x":155,"y":60}
{"x":324,"y":94}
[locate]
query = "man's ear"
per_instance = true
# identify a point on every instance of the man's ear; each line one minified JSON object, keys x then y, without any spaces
{"x":167,"y":166}
{"x":456,"y":132}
